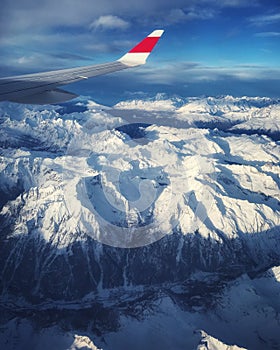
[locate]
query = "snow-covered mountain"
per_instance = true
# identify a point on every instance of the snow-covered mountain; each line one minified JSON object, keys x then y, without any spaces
{"x":20,"y":334}
{"x":125,"y":212}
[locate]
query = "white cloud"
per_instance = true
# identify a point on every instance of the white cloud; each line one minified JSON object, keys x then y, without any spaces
{"x":177,"y":15}
{"x":22,"y":15}
{"x":191,"y":72}
{"x":201,"y":13}
{"x":265,"y":19}
{"x":267,"y":34}
{"x":109,"y":22}
{"x":233,"y":3}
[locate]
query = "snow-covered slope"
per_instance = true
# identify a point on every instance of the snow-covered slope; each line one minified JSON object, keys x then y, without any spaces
{"x":21,"y":334}
{"x":87,"y":175}
{"x":190,"y":184}
{"x":210,"y":343}
{"x":259,"y":115}
{"x":265,"y":121}
{"x":243,"y":313}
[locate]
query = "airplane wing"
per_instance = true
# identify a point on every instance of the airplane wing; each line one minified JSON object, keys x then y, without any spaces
{"x":42,"y":88}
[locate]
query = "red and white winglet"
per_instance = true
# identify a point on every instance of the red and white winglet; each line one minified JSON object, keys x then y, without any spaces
{"x":139,"y":54}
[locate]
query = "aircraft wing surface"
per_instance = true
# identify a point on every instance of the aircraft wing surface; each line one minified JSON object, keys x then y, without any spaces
{"x":43,"y":88}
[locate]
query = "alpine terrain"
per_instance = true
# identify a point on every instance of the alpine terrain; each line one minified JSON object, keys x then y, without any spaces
{"x":152,"y":224}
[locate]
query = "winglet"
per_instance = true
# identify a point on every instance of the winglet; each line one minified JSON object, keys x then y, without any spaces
{"x":139,"y":54}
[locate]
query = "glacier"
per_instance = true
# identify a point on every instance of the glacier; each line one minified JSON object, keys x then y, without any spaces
{"x":118,"y":221}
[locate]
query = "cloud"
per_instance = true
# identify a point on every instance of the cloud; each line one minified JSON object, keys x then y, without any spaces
{"x":37,"y":16}
{"x":265,"y":19}
{"x":234,"y":3}
{"x":33,"y":62}
{"x":194,"y":72}
{"x":267,"y":34}
{"x":177,"y":15}
{"x":22,"y":15}
{"x":109,"y":22}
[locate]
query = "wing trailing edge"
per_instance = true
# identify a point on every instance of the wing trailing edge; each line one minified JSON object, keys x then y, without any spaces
{"x":46,"y":97}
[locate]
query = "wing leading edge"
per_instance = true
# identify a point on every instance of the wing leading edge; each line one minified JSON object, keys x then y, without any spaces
{"x":42,"y":88}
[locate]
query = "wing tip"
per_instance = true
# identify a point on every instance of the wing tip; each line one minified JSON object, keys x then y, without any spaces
{"x":156,"y":33}
{"x":139,"y":54}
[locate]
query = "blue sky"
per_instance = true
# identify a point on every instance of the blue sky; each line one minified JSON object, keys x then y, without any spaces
{"x":210,"y":47}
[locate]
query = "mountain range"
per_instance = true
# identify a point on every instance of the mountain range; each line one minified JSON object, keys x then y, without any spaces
{"x":150,"y":224}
